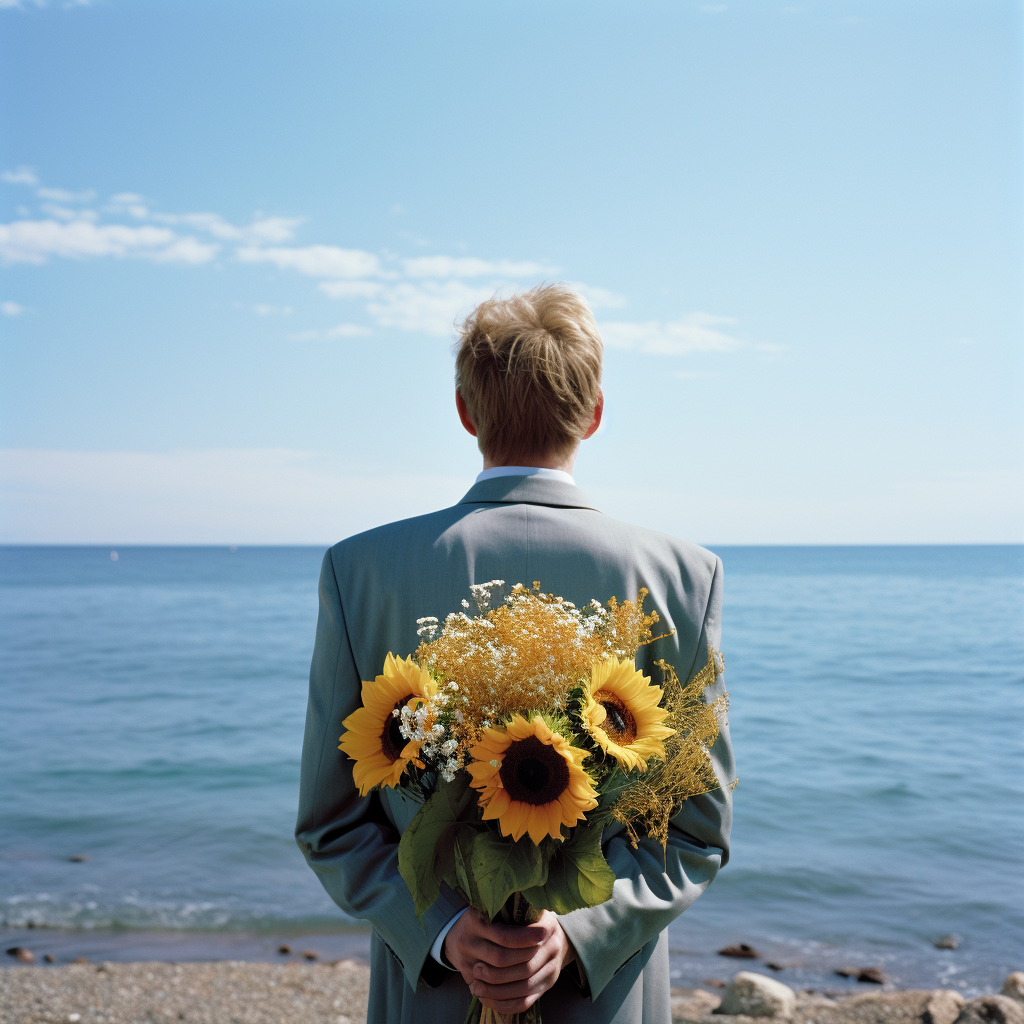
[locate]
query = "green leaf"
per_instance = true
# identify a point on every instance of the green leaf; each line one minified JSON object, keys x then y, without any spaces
{"x":421,"y":841}
{"x":595,"y":876}
{"x":499,"y":867}
{"x":464,"y":877}
{"x":578,"y":874}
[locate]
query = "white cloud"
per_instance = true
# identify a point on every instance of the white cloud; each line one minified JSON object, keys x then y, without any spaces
{"x":316,"y":260}
{"x":599,"y":298}
{"x":12,"y":308}
{"x":21,"y":176}
{"x":348,"y":331}
{"x":432,"y":307}
{"x":350,"y":289}
{"x":341,"y":331}
{"x":63,"y":213}
{"x":272,"y":229}
{"x":695,"y":332}
{"x":186,"y":250}
{"x":229,"y":496}
{"x":469,"y":266}
{"x":60,"y":195}
{"x":264,"y":229}
{"x":713,"y":8}
{"x":29,"y":241}
{"x":265,"y":310}
{"x":435,"y":294}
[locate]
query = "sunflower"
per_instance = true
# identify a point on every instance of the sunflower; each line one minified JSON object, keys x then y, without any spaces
{"x":372,"y":737}
{"x":530,"y":779}
{"x":621,"y":713}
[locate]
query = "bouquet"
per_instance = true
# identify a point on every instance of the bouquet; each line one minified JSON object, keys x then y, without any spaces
{"x":521,"y":731}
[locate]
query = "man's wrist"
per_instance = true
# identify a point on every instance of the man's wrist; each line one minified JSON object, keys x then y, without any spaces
{"x":437,"y":949}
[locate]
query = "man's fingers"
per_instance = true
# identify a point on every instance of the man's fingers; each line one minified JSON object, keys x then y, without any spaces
{"x":501,"y":956}
{"x":510,"y":1006}
{"x":518,"y":936}
{"x":516,"y":972}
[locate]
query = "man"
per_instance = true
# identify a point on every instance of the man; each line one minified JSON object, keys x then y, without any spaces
{"x":528,"y":386}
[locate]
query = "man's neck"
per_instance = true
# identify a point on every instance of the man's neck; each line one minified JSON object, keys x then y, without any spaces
{"x":565,"y":462}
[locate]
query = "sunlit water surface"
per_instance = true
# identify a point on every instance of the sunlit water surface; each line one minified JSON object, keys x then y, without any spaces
{"x":152,"y":715}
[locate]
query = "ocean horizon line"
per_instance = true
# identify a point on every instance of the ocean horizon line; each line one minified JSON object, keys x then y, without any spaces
{"x":105,"y":545}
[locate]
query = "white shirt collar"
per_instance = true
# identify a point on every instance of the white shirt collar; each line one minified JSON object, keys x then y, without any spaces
{"x":537,"y":471}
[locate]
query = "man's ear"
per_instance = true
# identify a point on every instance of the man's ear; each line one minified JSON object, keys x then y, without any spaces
{"x":467,"y":422}
{"x":596,"y":421}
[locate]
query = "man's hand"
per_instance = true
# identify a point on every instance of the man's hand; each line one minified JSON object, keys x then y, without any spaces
{"x":508,"y":966}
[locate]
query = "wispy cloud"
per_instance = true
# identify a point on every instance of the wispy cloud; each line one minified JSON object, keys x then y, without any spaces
{"x":695,"y":332}
{"x":713,"y":8}
{"x":33,"y":241}
{"x":598,"y":298}
{"x":341,"y":331}
{"x":348,"y":331}
{"x":469,"y":266}
{"x":61,"y":195}
{"x":12,"y":308}
{"x":351,"y":289}
{"x":67,"y":5}
{"x":20,"y":176}
{"x":316,"y":260}
{"x":422,"y":294}
{"x":433,"y":307}
{"x":261,"y":230}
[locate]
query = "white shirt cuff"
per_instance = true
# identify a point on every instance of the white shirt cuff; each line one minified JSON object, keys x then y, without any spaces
{"x":437,"y":948}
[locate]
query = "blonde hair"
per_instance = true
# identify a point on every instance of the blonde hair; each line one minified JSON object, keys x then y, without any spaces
{"x":529,"y":370}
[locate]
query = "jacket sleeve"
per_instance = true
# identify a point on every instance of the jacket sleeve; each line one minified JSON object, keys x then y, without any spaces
{"x":347,"y":839}
{"x":652,"y":886}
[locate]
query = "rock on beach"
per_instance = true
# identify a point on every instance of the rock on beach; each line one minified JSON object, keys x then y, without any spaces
{"x":992,"y":1010}
{"x":911,"y":1007}
{"x":754,"y":995}
{"x":1014,"y":986}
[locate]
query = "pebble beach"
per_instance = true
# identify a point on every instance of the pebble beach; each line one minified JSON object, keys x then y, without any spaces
{"x":233,"y":992}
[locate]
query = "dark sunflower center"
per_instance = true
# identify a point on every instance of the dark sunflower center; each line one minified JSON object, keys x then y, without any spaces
{"x":619,"y":723}
{"x":533,"y":772}
{"x":392,"y":742}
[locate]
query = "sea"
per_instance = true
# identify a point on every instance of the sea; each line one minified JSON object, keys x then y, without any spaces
{"x":151,"y":714}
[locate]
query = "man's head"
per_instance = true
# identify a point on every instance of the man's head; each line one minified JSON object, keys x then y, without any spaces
{"x":528,"y":369}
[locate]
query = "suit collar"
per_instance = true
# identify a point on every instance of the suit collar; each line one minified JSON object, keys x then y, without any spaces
{"x":526,"y":490}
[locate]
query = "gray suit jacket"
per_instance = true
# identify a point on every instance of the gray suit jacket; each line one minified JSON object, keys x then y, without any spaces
{"x":373,"y":587}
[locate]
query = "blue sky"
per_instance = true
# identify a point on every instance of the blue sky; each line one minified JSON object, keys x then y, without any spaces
{"x":235,"y":238}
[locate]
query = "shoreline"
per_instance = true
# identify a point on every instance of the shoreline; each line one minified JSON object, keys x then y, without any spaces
{"x":125,"y":945}
{"x":800,"y":968}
